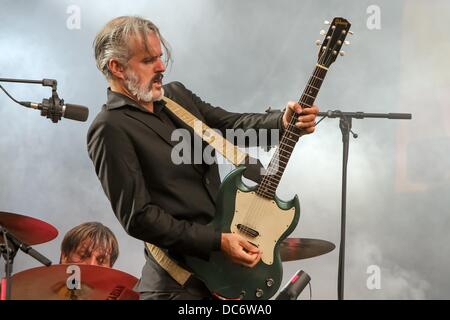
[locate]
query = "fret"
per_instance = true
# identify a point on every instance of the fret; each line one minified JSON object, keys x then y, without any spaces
{"x":289,"y":143}
{"x":275,"y":176}
{"x":283,"y":152}
{"x":294,"y":141}
{"x":289,"y":137}
{"x":278,"y":155}
{"x":304,"y":105}
{"x":269,"y":184}
{"x":284,"y":149}
{"x":268,"y":188}
{"x":278,"y":173}
{"x":312,"y":97}
{"x":292,"y":130}
{"x":317,"y":78}
{"x":264,"y":194}
{"x":283,"y":156}
{"x":315,"y":88}
{"x":273,"y":172}
{"x":279,"y":162}
{"x":320,"y":72}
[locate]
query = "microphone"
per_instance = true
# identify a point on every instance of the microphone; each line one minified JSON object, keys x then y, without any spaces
{"x":55,"y":108}
{"x":294,"y":287}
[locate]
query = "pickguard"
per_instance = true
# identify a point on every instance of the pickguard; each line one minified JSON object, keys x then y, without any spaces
{"x":265,"y":217}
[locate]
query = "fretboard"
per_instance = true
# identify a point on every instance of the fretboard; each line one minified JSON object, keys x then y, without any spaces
{"x":277,"y":165}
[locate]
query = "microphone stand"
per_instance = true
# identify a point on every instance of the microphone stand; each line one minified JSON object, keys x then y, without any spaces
{"x":8,"y":249}
{"x":345,"y":124}
{"x":44,"y":82}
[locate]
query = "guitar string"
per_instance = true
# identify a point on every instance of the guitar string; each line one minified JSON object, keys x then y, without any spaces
{"x":257,"y":205}
{"x":253,"y":211}
{"x":256,"y":209}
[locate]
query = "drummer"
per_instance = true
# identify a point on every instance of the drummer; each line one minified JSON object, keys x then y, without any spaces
{"x":90,"y":243}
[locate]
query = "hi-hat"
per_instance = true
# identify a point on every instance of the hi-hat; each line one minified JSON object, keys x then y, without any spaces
{"x":27,"y":229}
{"x":61,"y":282}
{"x":297,"y":248}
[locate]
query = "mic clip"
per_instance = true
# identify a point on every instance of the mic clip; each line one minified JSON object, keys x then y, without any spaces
{"x":52,"y":108}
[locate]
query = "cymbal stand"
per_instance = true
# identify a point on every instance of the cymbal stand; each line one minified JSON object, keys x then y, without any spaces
{"x":8,"y":249}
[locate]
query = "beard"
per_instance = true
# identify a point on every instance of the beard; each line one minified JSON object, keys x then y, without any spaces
{"x":145,"y":91}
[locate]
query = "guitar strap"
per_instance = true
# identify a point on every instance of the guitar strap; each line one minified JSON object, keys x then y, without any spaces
{"x":178,"y":273}
{"x":228,"y":150}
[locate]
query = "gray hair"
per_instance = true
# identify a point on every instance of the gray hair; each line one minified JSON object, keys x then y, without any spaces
{"x":112,"y":41}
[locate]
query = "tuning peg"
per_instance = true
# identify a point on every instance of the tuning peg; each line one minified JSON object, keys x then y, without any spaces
{"x":350,"y":32}
{"x":318,"y":43}
{"x":326,"y":22}
{"x":323,"y":32}
{"x":342,"y":53}
{"x":346,"y":42}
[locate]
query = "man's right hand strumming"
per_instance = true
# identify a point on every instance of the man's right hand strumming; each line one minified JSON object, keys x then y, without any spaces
{"x":239,"y":250}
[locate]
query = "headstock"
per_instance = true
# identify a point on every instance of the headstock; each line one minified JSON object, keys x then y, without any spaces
{"x":331,"y":45}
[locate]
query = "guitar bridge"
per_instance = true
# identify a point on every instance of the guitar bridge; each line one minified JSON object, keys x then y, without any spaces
{"x":248,"y":231}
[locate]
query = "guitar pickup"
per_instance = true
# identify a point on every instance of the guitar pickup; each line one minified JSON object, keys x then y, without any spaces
{"x":247,"y":230}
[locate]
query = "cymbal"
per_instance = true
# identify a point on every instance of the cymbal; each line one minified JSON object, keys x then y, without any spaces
{"x":27,"y":229}
{"x":297,"y":248}
{"x":52,"y":283}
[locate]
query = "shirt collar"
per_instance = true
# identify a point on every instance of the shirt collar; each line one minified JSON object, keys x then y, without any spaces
{"x":117,"y":100}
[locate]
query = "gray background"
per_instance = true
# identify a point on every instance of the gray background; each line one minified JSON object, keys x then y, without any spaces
{"x":245,"y":56}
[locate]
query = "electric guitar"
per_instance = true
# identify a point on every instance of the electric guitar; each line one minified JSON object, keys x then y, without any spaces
{"x":257,"y":213}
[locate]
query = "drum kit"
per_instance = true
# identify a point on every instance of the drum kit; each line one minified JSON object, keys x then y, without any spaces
{"x":81,"y":281}
{"x":54,"y":282}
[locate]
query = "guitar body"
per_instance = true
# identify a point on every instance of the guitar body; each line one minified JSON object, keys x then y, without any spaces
{"x":263,"y":222}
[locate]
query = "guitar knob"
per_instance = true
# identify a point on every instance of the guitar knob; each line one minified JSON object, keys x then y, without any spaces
{"x":259,"y":293}
{"x":269,"y":282}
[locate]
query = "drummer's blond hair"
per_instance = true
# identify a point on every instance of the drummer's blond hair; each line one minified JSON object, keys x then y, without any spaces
{"x":100,"y":236}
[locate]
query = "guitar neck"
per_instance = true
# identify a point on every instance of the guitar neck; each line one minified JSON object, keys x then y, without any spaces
{"x":277,"y":165}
